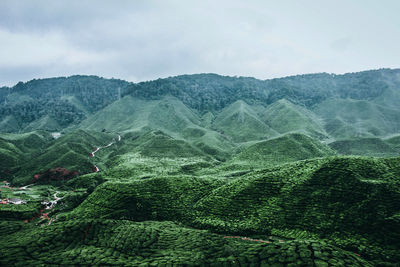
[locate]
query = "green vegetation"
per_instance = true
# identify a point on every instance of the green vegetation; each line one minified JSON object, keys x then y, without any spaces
{"x":366,"y":146}
{"x":358,"y":118}
{"x":287,"y":148}
{"x":201,"y":170}
{"x":347,"y":202}
{"x":284,"y":117}
{"x":70,"y":151}
{"x":53,"y":104}
{"x":242,"y":123}
{"x":127,"y":243}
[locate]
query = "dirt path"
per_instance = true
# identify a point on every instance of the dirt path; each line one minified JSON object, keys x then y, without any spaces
{"x":25,"y":187}
{"x":92,"y":154}
{"x":251,"y":239}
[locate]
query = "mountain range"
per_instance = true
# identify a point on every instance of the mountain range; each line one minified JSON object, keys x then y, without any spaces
{"x":202,"y":169}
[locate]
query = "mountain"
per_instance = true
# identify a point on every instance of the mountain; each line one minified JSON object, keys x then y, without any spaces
{"x":39,"y":153}
{"x":334,"y":199}
{"x":370,"y":146}
{"x":56,"y":103}
{"x":340,"y":106}
{"x":242,"y":123}
{"x":15,"y":149}
{"x":358,"y":118}
{"x":201,"y":169}
{"x":394,"y":141}
{"x":286,"y":148}
{"x":285,"y":117}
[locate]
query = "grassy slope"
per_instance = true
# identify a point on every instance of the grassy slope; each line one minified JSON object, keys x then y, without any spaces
{"x":241,"y":122}
{"x":371,"y":146}
{"x":168,"y":115}
{"x":9,"y":124}
{"x":290,"y":147}
{"x":125,"y":114}
{"x":130,"y":114}
{"x":346,"y":118}
{"x":348,"y":202}
{"x":127,"y":243}
{"x":46,"y":123}
{"x":394,"y":141}
{"x":284,"y":117}
{"x":157,"y":144}
{"x":70,"y":151}
{"x":17,"y":148}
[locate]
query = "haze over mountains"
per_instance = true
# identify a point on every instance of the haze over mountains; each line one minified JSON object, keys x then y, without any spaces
{"x":218,"y":111}
{"x":371,"y":96}
{"x":203,"y":169}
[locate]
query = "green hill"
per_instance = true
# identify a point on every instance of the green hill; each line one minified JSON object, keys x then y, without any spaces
{"x":357,"y":118}
{"x":168,"y":115}
{"x":284,"y":117}
{"x":202,"y":170}
{"x":352,"y":203}
{"x":125,"y":114}
{"x":290,"y":147}
{"x":242,"y":123}
{"x":394,"y":142}
{"x":52,"y":104}
{"x":158,"y":144}
{"x":130,"y":114}
{"x":15,"y":149}
{"x":70,"y":151}
{"x":8,"y":124}
{"x":127,"y":243}
{"x":46,"y":123}
{"x":365,"y":146}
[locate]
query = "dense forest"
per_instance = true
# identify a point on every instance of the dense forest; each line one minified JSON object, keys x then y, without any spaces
{"x":69,"y":100}
{"x":64,"y":100}
{"x":201,"y":170}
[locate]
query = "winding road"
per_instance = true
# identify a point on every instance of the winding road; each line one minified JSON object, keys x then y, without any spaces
{"x":95,"y":168}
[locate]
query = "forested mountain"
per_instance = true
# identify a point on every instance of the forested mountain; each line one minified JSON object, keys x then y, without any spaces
{"x":201,"y":170}
{"x":56,"y":103}
{"x":205,"y":92}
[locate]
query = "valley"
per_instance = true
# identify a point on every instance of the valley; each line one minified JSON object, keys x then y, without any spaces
{"x":202,"y":169}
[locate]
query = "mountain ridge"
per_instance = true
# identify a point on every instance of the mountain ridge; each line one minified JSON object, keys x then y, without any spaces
{"x":202,"y":169}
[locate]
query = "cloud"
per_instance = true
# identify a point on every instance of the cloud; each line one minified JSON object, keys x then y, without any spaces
{"x":341,"y":44}
{"x":142,"y":40}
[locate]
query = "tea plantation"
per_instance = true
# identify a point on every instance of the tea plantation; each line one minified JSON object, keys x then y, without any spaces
{"x":201,"y":170}
{"x":152,"y":243}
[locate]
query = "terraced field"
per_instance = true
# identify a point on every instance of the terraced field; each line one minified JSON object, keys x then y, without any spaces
{"x":201,"y":170}
{"x":121,"y":242}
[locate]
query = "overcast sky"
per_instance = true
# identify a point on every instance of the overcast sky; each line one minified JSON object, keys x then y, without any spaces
{"x":144,"y":40}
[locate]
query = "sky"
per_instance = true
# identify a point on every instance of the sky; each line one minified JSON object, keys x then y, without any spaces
{"x":145,"y":40}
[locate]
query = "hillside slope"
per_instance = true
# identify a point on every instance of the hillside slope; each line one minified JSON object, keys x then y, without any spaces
{"x":371,"y":146}
{"x":283,"y":116}
{"x":242,"y":123}
{"x":71,"y":151}
{"x":342,"y":106}
{"x":358,"y":118}
{"x":338,"y":200}
{"x":286,"y":148}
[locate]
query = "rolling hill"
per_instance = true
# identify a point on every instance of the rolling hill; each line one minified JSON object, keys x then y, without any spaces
{"x":71,"y":151}
{"x":201,"y":169}
{"x":285,"y":117}
{"x":336,"y":199}
{"x":242,"y":123}
{"x":371,"y":146}
{"x":286,"y":148}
